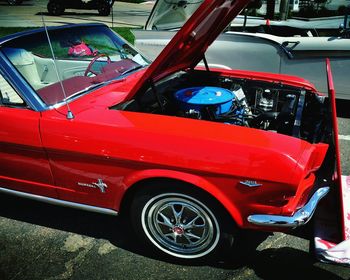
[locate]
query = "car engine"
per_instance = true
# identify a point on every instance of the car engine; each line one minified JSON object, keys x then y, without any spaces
{"x":251,"y":103}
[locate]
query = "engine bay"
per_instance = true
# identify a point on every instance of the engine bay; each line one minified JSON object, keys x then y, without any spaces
{"x":234,"y":101}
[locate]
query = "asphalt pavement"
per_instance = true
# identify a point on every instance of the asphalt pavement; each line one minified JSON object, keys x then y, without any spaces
{"x":40,"y":241}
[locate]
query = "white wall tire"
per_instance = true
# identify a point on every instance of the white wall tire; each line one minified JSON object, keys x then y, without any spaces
{"x":182,"y":225}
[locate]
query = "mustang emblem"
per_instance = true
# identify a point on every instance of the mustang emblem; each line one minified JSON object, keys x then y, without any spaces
{"x":250,"y":183}
{"x":100,"y":185}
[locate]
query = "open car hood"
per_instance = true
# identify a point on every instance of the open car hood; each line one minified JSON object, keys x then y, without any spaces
{"x":188,"y":46}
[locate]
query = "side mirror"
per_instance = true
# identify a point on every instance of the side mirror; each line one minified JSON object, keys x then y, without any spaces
{"x":6,"y":100}
{"x":3,"y":98}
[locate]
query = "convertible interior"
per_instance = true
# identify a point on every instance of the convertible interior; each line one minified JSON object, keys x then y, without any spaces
{"x":76,"y":58}
{"x":75,"y":74}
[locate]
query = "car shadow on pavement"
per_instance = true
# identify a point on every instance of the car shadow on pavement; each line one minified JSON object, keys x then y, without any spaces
{"x":288,"y":263}
{"x":14,"y":7}
{"x":266,"y":263}
{"x":277,"y":263}
{"x":343,"y":108}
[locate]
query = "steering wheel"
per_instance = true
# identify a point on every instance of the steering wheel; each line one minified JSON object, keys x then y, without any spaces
{"x":89,"y":70}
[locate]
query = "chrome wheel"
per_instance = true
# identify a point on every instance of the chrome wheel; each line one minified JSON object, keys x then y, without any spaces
{"x":180,"y":225}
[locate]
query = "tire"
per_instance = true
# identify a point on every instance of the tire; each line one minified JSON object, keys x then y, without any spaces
{"x":181,"y":224}
{"x":14,"y":2}
{"x":55,"y":8}
{"x":104,"y":9}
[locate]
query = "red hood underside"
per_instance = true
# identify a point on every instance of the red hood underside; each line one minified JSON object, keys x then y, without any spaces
{"x":188,"y":46}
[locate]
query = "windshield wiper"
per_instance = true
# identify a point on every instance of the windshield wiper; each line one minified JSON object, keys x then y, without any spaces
{"x":112,"y":81}
{"x":131,"y":69}
{"x":85,"y":90}
{"x":100,"y":84}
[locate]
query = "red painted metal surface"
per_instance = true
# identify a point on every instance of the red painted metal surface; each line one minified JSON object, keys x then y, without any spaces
{"x":65,"y":156}
{"x":337,"y":175}
{"x":268,"y":77}
{"x":23,"y":162}
{"x":123,"y":148}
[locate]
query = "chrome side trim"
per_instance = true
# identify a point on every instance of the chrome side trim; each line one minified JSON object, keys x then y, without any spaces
{"x":301,"y":217}
{"x":60,"y":202}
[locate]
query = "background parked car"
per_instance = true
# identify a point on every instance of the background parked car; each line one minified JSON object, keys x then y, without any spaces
{"x":14,"y":2}
{"x":57,"y":7}
{"x":295,"y":47}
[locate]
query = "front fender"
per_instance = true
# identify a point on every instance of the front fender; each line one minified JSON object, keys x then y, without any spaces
{"x":132,"y":179}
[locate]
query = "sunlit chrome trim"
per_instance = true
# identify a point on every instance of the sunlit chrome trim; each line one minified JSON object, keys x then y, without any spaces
{"x":214,"y":65}
{"x":301,"y":217}
{"x":83,"y":92}
{"x":60,"y":202}
{"x":250,"y":183}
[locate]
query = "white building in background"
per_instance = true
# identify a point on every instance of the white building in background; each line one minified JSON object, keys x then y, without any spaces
{"x":335,"y":4}
{"x":330,"y":4}
{"x":293,"y":5}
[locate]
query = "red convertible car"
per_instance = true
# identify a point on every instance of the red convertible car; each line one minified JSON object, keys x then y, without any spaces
{"x":189,"y":154}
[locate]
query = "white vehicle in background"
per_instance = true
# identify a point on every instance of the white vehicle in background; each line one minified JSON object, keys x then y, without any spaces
{"x":301,"y":45}
{"x":14,"y":2}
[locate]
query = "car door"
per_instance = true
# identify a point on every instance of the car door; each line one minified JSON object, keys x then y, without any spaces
{"x":24,"y":165}
{"x":83,"y":170}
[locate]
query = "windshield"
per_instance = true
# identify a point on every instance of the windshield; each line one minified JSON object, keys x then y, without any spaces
{"x":85,"y":57}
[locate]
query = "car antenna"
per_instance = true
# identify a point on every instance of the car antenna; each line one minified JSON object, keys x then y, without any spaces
{"x":69,"y":115}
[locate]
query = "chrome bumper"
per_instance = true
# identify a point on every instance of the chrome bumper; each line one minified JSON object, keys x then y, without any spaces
{"x":301,"y":217}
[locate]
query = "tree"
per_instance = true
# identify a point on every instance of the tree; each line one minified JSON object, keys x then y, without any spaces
{"x":270,"y":9}
{"x":320,"y":3}
{"x":254,"y":4}
{"x":284,"y":9}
